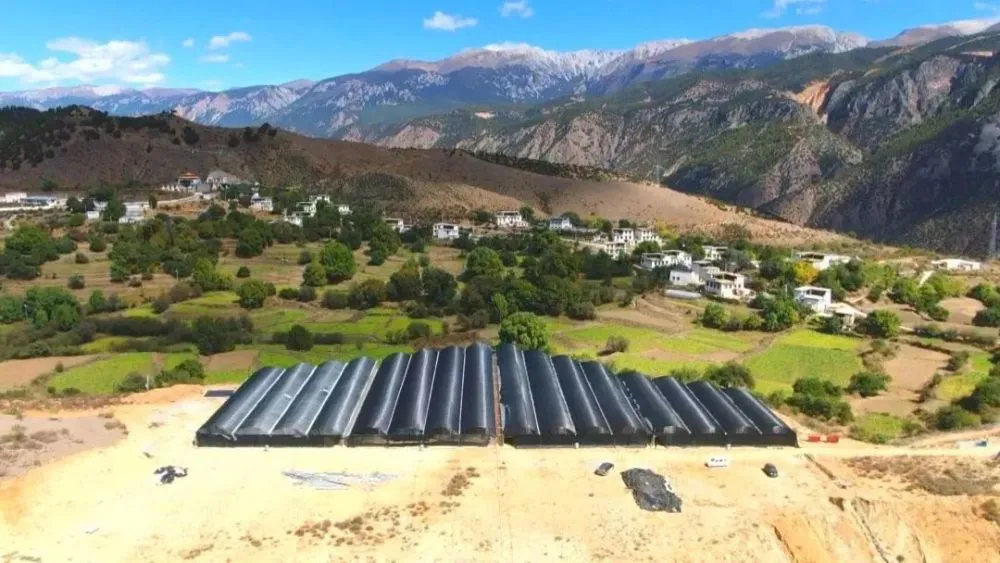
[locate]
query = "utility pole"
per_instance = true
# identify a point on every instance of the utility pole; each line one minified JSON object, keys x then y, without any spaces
{"x":993,"y":238}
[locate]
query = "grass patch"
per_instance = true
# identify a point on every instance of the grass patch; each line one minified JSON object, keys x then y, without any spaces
{"x":960,"y":385}
{"x":105,"y":344}
{"x":788,"y":359}
{"x":878,"y":428}
{"x":695,"y":342}
{"x":813,"y":339}
{"x":228,"y":376}
{"x":137,"y":312}
{"x":101,"y":376}
{"x":208,"y":304}
{"x":652,"y":367}
{"x":275,"y":355}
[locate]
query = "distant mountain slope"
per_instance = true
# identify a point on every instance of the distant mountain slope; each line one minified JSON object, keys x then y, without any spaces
{"x":899,"y":145}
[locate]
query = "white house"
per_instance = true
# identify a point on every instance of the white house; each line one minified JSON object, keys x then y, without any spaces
{"x":446,"y":231}
{"x":685,"y":276}
{"x":647,"y":235}
{"x":957,"y":265}
{"x":135,"y":212}
{"x":848,"y":315}
{"x":217,"y":179}
{"x":821,"y":260}
{"x":624,"y":236}
{"x":728,"y":286}
{"x":94,"y":215}
{"x":510,"y":220}
{"x":819,"y":299}
{"x":294,"y":219}
{"x":616,"y":249}
{"x":11,"y":198}
{"x":560,"y":224}
{"x":261,"y":203}
{"x":705,"y":269}
{"x":678,"y":258}
{"x":670,"y":258}
{"x":654,"y":260}
{"x":397,"y":224}
{"x":44,"y":202}
{"x":713,"y":253}
{"x":343,"y":209}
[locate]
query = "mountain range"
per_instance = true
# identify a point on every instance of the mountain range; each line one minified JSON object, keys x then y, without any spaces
{"x":356,"y":106}
{"x":895,"y":140}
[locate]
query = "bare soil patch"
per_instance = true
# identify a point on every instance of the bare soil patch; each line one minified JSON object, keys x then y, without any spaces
{"x":230,"y":361}
{"x":910,"y":370}
{"x":961,"y":309}
{"x":951,"y":477}
{"x":31,"y":441}
{"x":15,"y":373}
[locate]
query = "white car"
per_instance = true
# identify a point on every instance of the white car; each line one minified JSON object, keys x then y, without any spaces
{"x":717,"y":461}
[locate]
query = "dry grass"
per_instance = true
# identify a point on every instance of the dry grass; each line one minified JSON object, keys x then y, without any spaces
{"x":951,"y":477}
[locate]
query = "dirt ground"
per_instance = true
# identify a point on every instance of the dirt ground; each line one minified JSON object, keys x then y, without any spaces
{"x":961,"y":309}
{"x":462,"y":504}
{"x":31,"y":441}
{"x":230,"y":361}
{"x":15,"y":373}
{"x":910,"y":370}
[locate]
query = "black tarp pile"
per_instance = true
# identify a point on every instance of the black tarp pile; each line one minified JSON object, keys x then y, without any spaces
{"x":168,"y":473}
{"x":650,"y":491}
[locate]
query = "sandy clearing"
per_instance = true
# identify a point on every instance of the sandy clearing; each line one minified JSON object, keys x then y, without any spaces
{"x":961,"y":309}
{"x":519,"y":505}
{"x":15,"y":373}
{"x":910,"y":370}
{"x":31,"y":441}
{"x":230,"y":361}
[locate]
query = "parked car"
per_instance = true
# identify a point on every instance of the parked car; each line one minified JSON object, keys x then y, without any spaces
{"x":770,"y":470}
{"x":717,"y":461}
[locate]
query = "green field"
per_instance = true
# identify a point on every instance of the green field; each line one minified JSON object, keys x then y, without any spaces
{"x":101,"y":376}
{"x":803,"y":353}
{"x":878,"y":428}
{"x":275,"y":355}
{"x":960,"y":385}
{"x":208,"y":304}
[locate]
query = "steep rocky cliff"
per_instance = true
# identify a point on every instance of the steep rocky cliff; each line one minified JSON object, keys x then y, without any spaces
{"x":898,"y":145}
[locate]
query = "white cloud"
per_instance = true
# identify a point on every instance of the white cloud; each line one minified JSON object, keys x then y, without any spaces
{"x":89,"y":61}
{"x":220,"y":41}
{"x":214,"y":58}
{"x":441,"y":21}
{"x":516,"y":8}
{"x":802,"y":7}
{"x":188,"y":43}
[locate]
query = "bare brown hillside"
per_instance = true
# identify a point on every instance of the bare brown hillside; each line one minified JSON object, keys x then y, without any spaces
{"x":440,"y":182}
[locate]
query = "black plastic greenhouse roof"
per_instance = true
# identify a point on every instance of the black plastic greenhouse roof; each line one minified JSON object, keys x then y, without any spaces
{"x":449,"y":396}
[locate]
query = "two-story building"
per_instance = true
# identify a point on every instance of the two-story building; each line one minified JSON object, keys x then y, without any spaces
{"x":624,"y":236}
{"x":667,"y":259}
{"x":510,"y":220}
{"x":715,"y":253}
{"x":396,"y":224}
{"x":728,"y":286}
{"x":643,"y":234}
{"x":957,"y":265}
{"x":560,"y":224}
{"x":818,"y":299}
{"x":616,"y":250}
{"x":261,"y":204}
{"x":822,"y":260}
{"x":446,"y":231}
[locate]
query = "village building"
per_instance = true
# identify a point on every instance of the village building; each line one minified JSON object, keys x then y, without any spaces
{"x":714,"y":253}
{"x":817,"y":299}
{"x":560,"y":224}
{"x":821,"y":260}
{"x":446,"y":231}
{"x":957,"y":265}
{"x":728,"y":286}
{"x":510,"y":220}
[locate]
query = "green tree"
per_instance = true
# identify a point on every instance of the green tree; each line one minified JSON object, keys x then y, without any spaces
{"x":338,"y":261}
{"x":252,"y":294}
{"x":11,"y":309}
{"x":52,"y":304}
{"x":367,"y":294}
{"x":114,"y":211}
{"x":439,"y":287}
{"x":730,"y":374}
{"x":881,"y":324}
{"x":525,"y":330}
{"x":299,"y":338}
{"x":868,"y":384}
{"x":805,"y":273}
{"x":954,"y":417}
{"x":314,"y":275}
{"x":832,"y":325}
{"x":483,"y":261}
{"x":405,"y":284}
{"x":985,"y":396}
{"x":97,"y":302}
{"x":714,"y":316}
{"x":988,"y":317}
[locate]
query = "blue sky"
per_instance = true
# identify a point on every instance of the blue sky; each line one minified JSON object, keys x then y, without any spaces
{"x":211,"y":44}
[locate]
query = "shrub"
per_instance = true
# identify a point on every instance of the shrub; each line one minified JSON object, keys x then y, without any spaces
{"x":832,"y":325}
{"x":616,"y":344}
{"x":161,"y":304}
{"x":954,"y":417}
{"x":81,"y":258}
{"x":581,"y":311}
{"x":98,"y":244}
{"x":314,"y":275}
{"x":685,"y":374}
{"x":289,"y":293}
{"x":243,"y":272}
{"x":880,"y":324}
{"x":714,"y":316}
{"x":333,"y":299}
{"x":187,"y":372}
{"x":730,"y":374}
{"x":133,"y":383}
{"x":525,"y":330}
{"x":988,"y":317}
{"x":252,"y":294}
{"x":868,"y":384}
{"x":367,"y":294}
{"x":305,"y":257}
{"x":417,"y":330}
{"x":476,"y":320}
{"x":306,"y":294}
{"x":957,"y":360}
{"x":299,"y":338}
{"x":76,"y":282}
